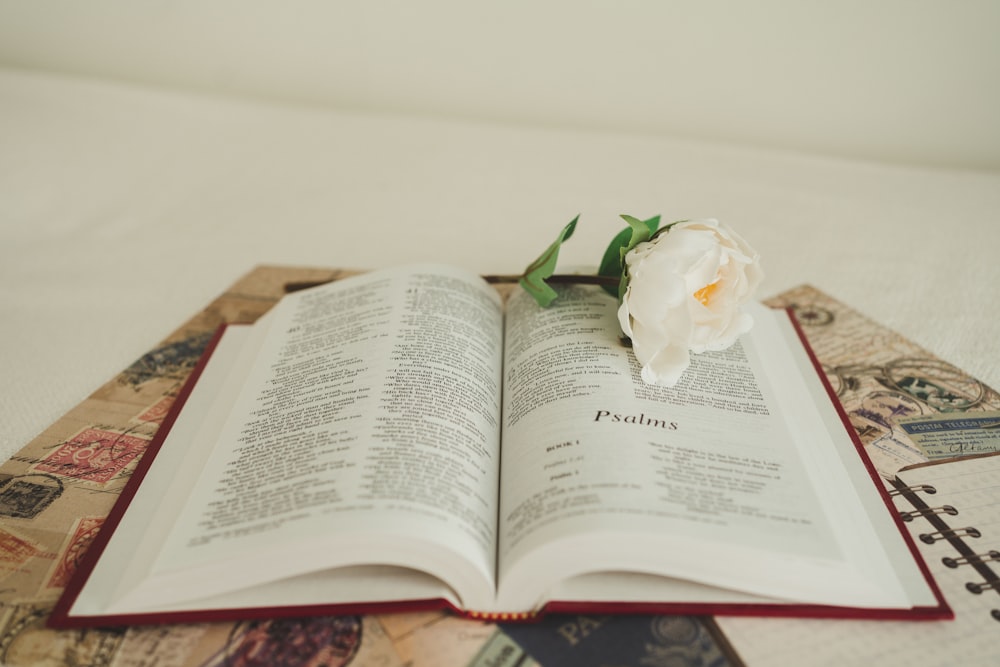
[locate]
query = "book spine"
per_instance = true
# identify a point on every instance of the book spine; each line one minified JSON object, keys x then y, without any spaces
{"x":499,"y":617}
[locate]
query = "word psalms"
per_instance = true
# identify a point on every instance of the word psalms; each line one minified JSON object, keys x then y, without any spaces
{"x":641,"y":419}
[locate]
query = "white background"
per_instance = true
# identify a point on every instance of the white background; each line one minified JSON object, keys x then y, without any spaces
{"x":903,"y":80}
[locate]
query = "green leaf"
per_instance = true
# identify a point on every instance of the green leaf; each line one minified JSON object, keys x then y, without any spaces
{"x":613,"y":262}
{"x":533,"y":280}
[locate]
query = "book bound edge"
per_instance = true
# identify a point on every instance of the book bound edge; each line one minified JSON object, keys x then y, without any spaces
{"x":59,"y":616}
{"x":943,"y":607}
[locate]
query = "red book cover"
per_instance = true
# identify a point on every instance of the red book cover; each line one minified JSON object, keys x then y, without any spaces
{"x":62,"y":616}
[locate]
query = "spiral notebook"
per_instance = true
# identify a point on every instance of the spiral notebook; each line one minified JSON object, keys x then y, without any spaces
{"x":952,"y":509}
{"x":958,"y":502}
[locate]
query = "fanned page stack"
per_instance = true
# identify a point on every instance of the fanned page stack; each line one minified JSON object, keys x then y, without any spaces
{"x":407,"y":439}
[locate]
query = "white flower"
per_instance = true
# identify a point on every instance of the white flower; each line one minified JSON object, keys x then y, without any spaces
{"x":685,"y":289}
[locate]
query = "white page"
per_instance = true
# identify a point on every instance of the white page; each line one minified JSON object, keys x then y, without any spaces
{"x":626,"y":486}
{"x":720,"y":495}
{"x":362,"y":431}
{"x":139,"y":536}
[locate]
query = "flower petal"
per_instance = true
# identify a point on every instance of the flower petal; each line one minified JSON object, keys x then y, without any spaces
{"x":685,"y":289}
{"x":667,"y":366}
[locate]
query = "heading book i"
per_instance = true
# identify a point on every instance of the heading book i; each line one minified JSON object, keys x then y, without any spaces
{"x":409,"y":439}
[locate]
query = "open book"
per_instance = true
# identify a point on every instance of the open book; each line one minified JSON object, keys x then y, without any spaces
{"x":407,"y":438}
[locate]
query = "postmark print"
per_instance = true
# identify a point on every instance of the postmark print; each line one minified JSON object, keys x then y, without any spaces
{"x":876,"y":418}
{"x":934,"y":383}
{"x":25,"y":496}
{"x":813,"y":315}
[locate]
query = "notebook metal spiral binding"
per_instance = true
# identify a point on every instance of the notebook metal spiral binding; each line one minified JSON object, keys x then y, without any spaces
{"x":978,"y":588}
{"x":980,"y":562}
{"x":916,"y":488}
{"x":969,"y":560}
{"x":944,"y":509}
{"x":967,"y":531}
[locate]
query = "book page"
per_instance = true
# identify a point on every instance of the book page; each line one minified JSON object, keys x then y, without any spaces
{"x":702,"y":481}
{"x":365,"y":433}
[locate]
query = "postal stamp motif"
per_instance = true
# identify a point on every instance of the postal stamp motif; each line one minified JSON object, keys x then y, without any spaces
{"x":172,"y":360}
{"x":15,"y":551}
{"x":94,"y":455}
{"x":935,"y":383}
{"x":156,"y":412}
{"x":25,"y":496}
{"x":332,"y":641}
{"x":812,"y":315}
{"x":85,"y":531}
{"x":159,"y":646}
{"x":25,"y":641}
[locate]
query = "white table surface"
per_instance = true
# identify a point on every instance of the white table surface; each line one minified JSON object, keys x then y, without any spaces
{"x":124,"y":210}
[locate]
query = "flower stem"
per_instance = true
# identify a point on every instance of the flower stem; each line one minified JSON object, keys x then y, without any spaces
{"x":559,"y":279}
{"x":562,"y":279}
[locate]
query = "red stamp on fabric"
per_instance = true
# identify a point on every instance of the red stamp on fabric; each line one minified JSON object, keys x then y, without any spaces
{"x":85,"y":532}
{"x":14,"y":551}
{"x":94,"y":455}
{"x":157,"y":411}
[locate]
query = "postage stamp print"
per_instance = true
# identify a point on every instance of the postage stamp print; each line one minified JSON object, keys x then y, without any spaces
{"x":84,"y":533}
{"x":25,"y":496}
{"x":173,"y":360}
{"x":15,"y":552}
{"x":157,"y":411}
{"x":25,"y":640}
{"x":331,"y":641}
{"x":94,"y":455}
